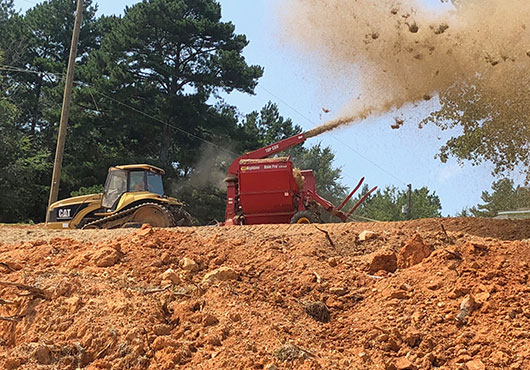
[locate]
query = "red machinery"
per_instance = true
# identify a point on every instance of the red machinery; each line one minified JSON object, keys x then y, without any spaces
{"x":262,"y":190}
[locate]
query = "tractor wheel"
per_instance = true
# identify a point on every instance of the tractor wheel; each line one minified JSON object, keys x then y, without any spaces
{"x":305,"y":217}
{"x":153,"y":214}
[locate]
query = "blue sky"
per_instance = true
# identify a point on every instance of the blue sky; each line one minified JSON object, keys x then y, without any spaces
{"x":371,"y":148}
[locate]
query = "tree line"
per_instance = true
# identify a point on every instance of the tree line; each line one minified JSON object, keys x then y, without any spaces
{"x":148,"y":89}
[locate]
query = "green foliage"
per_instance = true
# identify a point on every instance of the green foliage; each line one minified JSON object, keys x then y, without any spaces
{"x":21,"y":165}
{"x":504,"y":197}
{"x":488,"y":127}
{"x":390,"y":204}
{"x":266,"y":127}
{"x":167,"y":58}
{"x":94,"y":189}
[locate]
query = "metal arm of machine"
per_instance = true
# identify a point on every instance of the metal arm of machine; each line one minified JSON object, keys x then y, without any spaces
{"x":267,"y":151}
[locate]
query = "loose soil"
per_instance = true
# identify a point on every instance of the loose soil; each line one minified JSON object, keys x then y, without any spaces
{"x":268,"y":296}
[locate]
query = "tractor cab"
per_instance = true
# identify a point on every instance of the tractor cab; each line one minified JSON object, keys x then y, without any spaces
{"x":131,"y":179}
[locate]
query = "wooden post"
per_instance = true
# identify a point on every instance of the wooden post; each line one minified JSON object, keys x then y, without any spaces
{"x":409,"y":202}
{"x":61,"y":138}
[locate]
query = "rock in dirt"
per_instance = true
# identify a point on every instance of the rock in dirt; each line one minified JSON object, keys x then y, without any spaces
{"x":467,"y":306}
{"x":43,"y":355}
{"x":403,"y":363}
{"x":290,"y":352}
{"x":163,"y":342}
{"x":318,"y":311}
{"x":367,"y":235}
{"x":188,"y":264}
{"x":221,"y":274}
{"x":475,"y":364}
{"x":106,"y":257}
{"x":12,"y":363}
{"x":414,"y":251}
{"x":171,"y":276}
{"x":145,"y":230}
{"x":385,"y":260}
{"x":209,"y":320}
{"x":338,"y":290}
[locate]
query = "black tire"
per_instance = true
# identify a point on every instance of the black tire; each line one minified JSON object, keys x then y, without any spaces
{"x":305,"y":217}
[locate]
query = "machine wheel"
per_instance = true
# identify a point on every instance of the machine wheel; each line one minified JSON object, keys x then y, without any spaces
{"x":153,"y":214}
{"x":305,"y":217}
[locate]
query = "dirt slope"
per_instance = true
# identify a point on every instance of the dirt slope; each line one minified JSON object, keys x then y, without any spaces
{"x":252,"y":297}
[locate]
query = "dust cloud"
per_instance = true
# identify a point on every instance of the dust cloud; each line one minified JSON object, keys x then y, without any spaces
{"x":408,"y":51}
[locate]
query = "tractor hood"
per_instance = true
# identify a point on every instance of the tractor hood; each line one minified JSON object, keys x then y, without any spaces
{"x":90,"y":198}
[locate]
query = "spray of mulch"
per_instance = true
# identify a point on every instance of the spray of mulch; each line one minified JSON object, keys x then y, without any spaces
{"x":409,"y":51}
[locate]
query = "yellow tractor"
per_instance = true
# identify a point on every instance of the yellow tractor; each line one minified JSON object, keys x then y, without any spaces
{"x":133,"y":195}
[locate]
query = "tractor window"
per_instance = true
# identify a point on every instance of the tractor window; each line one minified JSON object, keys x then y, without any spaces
{"x":115,"y":186}
{"x":154,"y":183}
{"x":136,"y":181}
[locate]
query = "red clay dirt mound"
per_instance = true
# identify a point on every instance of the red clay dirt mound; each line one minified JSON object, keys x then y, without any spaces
{"x":267,"y":297}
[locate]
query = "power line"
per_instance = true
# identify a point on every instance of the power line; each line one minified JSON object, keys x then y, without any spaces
{"x":17,"y":69}
{"x":8,"y":68}
{"x":84,"y":84}
{"x":334,"y":136}
{"x":164,"y":123}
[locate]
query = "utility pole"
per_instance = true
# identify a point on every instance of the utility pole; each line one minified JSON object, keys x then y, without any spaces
{"x":409,"y":202}
{"x":61,"y":138}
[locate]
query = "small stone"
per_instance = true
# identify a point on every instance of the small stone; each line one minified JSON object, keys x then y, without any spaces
{"x":271,"y":367}
{"x":475,"y":364}
{"x":367,"y":235}
{"x":467,"y":306}
{"x":338,"y":290}
{"x":213,"y":340}
{"x":73,"y":303}
{"x":162,"y":329}
{"x":12,"y":363}
{"x":171,"y":276}
{"x":146,"y":229}
{"x":188,"y":264}
{"x":396,"y":294}
{"x":385,"y":260}
{"x":14,"y":265}
{"x":404,"y":363}
{"x":434,"y":285}
{"x":333,"y":262}
{"x":209,"y":320}
{"x":482,"y":298}
{"x":290,"y":352}
{"x":165,"y":258}
{"x":318,"y":311}
{"x":163,"y":342}
{"x":458,"y":292}
{"x":106,"y":257}
{"x":414,"y":251}
{"x":43,"y":355}
{"x":412,"y":337}
{"x":221,"y":274}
